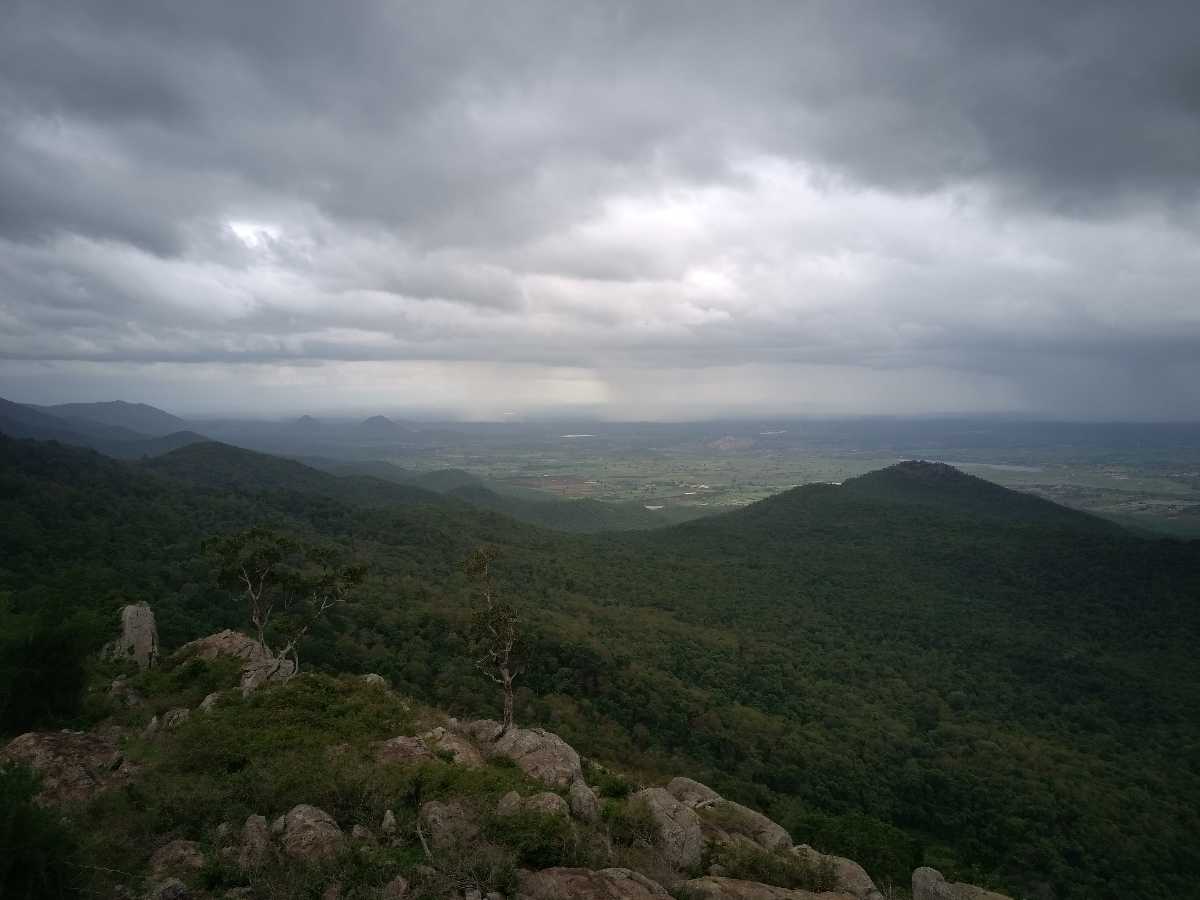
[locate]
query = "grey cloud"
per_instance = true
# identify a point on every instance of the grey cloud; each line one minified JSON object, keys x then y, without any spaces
{"x":974,"y":187}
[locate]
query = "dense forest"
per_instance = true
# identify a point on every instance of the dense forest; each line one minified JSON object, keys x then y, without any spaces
{"x":914,"y":667}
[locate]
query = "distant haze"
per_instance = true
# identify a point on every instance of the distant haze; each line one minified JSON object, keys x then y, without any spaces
{"x":619,"y":210}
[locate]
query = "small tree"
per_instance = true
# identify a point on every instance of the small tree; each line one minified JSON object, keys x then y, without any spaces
{"x":495,"y":635}
{"x":277,"y":575}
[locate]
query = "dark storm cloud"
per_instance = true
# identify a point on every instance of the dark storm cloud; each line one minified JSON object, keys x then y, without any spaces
{"x":991,"y":191}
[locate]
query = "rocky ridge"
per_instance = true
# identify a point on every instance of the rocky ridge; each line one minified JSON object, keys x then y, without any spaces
{"x":687,"y":822}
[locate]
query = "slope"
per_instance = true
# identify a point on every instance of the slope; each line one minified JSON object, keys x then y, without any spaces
{"x":893,"y":675}
{"x":137,"y":417}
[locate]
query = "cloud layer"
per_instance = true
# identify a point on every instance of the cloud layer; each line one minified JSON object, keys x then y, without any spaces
{"x":637,"y":209}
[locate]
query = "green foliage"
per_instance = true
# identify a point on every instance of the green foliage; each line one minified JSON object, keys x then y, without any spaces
{"x":608,"y":783}
{"x":42,"y":667}
{"x":38,"y":856}
{"x":908,"y":665}
{"x":629,"y":821}
{"x":779,"y":867}
{"x":538,"y":839}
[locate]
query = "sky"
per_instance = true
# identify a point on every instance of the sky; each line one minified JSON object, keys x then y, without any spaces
{"x":623,"y":209}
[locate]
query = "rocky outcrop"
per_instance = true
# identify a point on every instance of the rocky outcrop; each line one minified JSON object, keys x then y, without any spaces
{"x":139,"y":637}
{"x":259,"y":665}
{"x":449,"y":826}
{"x":179,"y":857}
{"x":726,"y":821}
{"x":548,"y":804}
{"x":403,"y":750}
{"x":848,"y":876}
{"x":691,"y":793}
{"x":459,"y":748}
{"x":173,"y":718}
{"x":210,"y":701}
{"x":396,"y":889}
{"x":585,"y":805}
{"x":124,"y":695}
{"x":310,"y":834}
{"x":74,"y":766}
{"x":171,"y":889}
{"x":587,"y":884}
{"x":677,"y":828}
{"x":540,"y":754}
{"x":713,"y":887}
{"x":738,"y":819}
{"x":375,"y":680}
{"x":929,"y":884}
{"x":255,"y":849}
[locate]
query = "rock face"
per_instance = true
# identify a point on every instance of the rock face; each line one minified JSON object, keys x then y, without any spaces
{"x":713,"y":887}
{"x":311,"y":834}
{"x":691,"y":793}
{"x":585,"y":805}
{"x":74,"y":766}
{"x":929,"y":884}
{"x":176,"y":858}
{"x":448,"y":825}
{"x":173,"y":718}
{"x":259,"y":665}
{"x":463,"y":752}
{"x":677,"y":828}
{"x":540,"y":754}
{"x":849,"y":877}
{"x":738,"y":819}
{"x":255,"y":847}
{"x":139,"y":637}
{"x":586,"y":884}
{"x":548,"y":804}
{"x":402,"y":750}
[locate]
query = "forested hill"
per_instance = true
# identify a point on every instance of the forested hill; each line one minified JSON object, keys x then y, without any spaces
{"x":913,"y":667}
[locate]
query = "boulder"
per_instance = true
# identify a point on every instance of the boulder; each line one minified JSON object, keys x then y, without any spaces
{"x":849,"y":877}
{"x":585,"y":805}
{"x":449,"y":826}
{"x":74,"y":766}
{"x":929,"y":884}
{"x":482,"y":731}
{"x":374,"y":680}
{"x":360,"y":834}
{"x":402,"y":750}
{"x":310,"y":834}
{"x":255,"y":849}
{"x":464,"y":753}
{"x":715,"y":887}
{"x":677,"y":828}
{"x":139,"y":637}
{"x":259,"y":665}
{"x":738,"y":819}
{"x":176,"y":858}
{"x":388,"y":826}
{"x":541,"y":755}
{"x":396,"y":889}
{"x":510,"y":804}
{"x":691,"y":793}
{"x":173,"y":718}
{"x":548,"y":804}
{"x":587,"y":884}
{"x":209,"y":703}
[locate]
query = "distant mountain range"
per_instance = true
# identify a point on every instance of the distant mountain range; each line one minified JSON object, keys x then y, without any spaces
{"x":102,"y":426}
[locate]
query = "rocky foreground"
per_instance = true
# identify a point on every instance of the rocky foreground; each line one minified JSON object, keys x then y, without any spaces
{"x":688,"y":842}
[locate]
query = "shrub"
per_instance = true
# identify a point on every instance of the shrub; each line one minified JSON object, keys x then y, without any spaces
{"x":629,"y":821}
{"x":38,"y":857}
{"x":780,"y":867}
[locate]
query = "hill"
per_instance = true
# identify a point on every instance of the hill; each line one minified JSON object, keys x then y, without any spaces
{"x":222,"y":467}
{"x":136,"y":417}
{"x":20,"y":421}
{"x":911,"y":669}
